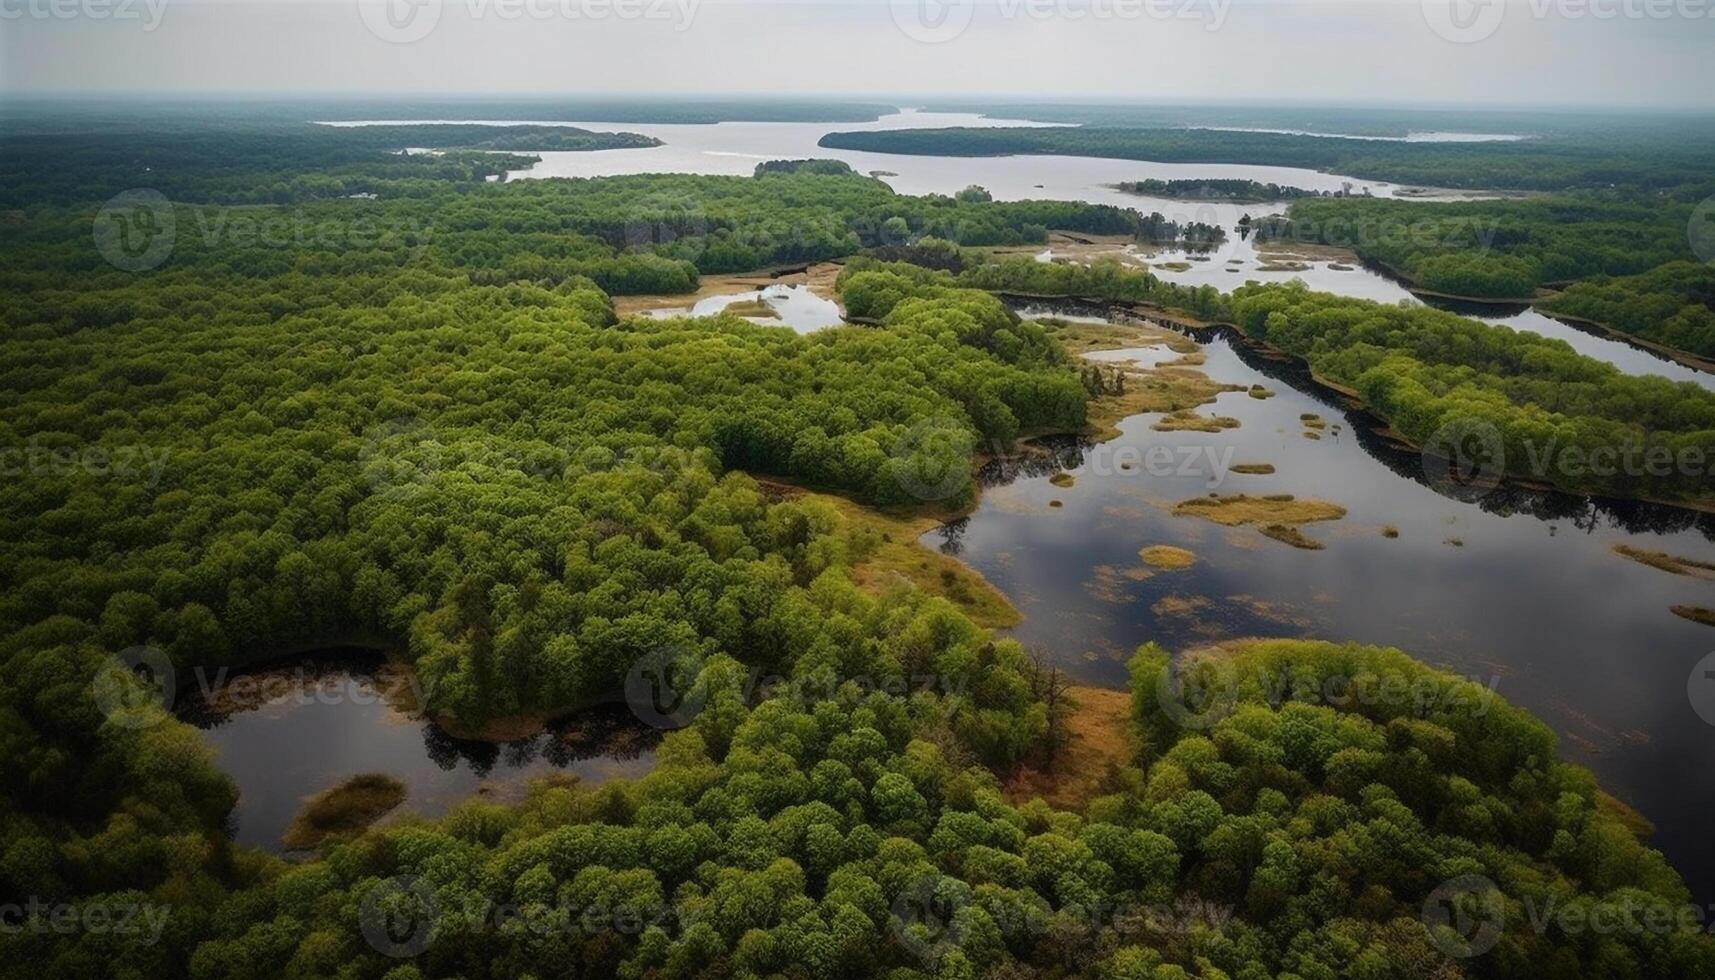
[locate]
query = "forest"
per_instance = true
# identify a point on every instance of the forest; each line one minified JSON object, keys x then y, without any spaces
{"x":1430,"y":372}
{"x":1672,"y":305}
{"x":1501,"y":249}
{"x":418,"y":417}
{"x":1679,"y":153}
{"x":1211,"y":189}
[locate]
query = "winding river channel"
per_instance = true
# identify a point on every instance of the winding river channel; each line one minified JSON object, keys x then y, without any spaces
{"x":1518,"y":589}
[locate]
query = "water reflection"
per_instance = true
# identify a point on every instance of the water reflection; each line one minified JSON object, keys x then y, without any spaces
{"x":287,"y":732}
{"x":795,"y":306}
{"x":1520,"y":586}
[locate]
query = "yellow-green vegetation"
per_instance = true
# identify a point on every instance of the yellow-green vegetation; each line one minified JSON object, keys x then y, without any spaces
{"x":1242,"y":508}
{"x":1179,"y":605}
{"x":1055,"y":503}
{"x":884,"y":553}
{"x":1096,"y":746}
{"x":1673,"y":564}
{"x":1696,"y":614}
{"x":1171,"y":386}
{"x":1168,"y":557}
{"x":1192,"y":422}
{"x":344,"y":811}
{"x":1259,"y":392}
{"x":1313,"y":421}
{"x":1252,"y":469}
{"x":1292,"y":536}
{"x":1313,"y":435}
{"x":1062,"y":479}
{"x":757,"y":308}
{"x":1274,"y":515}
{"x":1390,"y":531}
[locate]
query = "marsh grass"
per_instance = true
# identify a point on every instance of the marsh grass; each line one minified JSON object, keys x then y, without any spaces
{"x":345,"y":810}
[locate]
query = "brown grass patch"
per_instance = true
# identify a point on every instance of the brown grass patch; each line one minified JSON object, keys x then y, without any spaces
{"x":1167,"y":557}
{"x":345,"y":810}
{"x":1292,"y":536}
{"x":1281,"y":508}
{"x":1062,"y":479}
{"x":1673,"y":564}
{"x":1252,"y":469}
{"x":1098,"y":741}
{"x":884,"y":554}
{"x":1696,"y":614}
{"x":1192,"y":422}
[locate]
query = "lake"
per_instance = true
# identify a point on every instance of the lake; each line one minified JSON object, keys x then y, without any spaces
{"x":287,"y":732}
{"x":1519,"y":589}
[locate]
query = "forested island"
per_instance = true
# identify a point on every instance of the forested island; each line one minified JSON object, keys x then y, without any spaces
{"x":1564,"y":161}
{"x":418,"y":417}
{"x":1237,"y":191}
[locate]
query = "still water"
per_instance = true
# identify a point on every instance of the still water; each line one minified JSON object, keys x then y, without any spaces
{"x":794,"y":306}
{"x":1518,"y":589}
{"x":287,"y":733}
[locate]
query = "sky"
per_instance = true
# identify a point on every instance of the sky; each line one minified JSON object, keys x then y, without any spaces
{"x":1446,"y":52}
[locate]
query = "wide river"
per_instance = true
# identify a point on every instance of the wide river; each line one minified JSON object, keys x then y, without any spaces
{"x":1519,"y":589}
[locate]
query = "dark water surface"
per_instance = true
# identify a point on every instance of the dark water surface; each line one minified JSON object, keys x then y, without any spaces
{"x":311,"y":724}
{"x":1520,"y":590}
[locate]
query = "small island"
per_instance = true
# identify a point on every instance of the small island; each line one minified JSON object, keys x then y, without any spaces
{"x":1213,"y":189}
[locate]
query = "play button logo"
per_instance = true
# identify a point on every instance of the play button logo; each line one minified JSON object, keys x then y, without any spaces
{"x":932,"y":21}
{"x":400,"y":21}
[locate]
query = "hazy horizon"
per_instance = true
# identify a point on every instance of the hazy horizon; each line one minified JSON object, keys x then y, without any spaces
{"x":1469,"y":54}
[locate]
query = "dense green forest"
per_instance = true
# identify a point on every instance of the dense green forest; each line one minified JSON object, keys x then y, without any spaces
{"x":1243,"y":191}
{"x":1672,"y":305}
{"x":417,"y":417}
{"x":1429,"y":372}
{"x":1392,"y":122}
{"x":1496,"y":248}
{"x":871,"y":288}
{"x":68,"y":113}
{"x":1679,"y":154}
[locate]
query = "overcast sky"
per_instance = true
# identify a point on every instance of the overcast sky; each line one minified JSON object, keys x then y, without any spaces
{"x":1454,"y":52}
